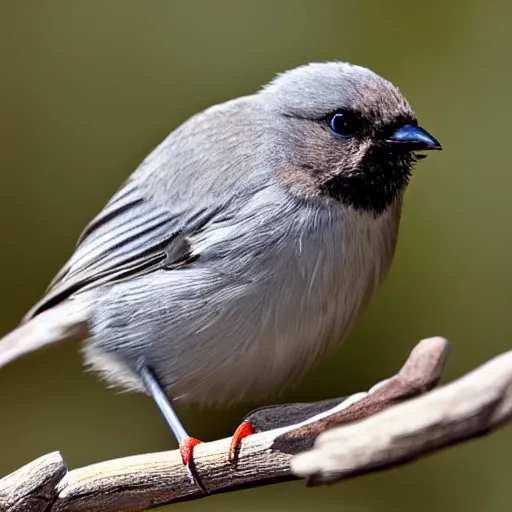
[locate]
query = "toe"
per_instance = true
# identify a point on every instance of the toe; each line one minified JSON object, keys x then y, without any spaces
{"x":186,"y":449}
{"x":244,"y":429}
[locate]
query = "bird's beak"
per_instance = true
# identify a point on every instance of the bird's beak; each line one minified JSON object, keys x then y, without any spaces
{"x":413,"y":138}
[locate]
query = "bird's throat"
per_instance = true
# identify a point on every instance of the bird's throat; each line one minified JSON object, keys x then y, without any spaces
{"x":375,"y":185}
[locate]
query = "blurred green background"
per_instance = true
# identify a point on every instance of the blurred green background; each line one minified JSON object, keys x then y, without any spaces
{"x":87,"y":89}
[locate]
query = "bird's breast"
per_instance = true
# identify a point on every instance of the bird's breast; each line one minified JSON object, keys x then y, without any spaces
{"x":327,"y":271}
{"x":301,"y":288}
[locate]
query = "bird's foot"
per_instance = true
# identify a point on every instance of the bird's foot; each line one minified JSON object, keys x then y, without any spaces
{"x":244,"y":430}
{"x":187,"y":449}
{"x":187,"y":456}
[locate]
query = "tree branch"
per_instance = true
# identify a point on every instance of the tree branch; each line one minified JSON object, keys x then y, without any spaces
{"x":370,"y":439}
{"x":472,"y":406}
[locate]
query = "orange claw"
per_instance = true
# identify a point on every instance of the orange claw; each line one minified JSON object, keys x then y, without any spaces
{"x":244,"y":429}
{"x":186,"y":449}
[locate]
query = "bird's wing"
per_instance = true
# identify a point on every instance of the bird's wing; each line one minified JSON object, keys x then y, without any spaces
{"x":131,"y":236}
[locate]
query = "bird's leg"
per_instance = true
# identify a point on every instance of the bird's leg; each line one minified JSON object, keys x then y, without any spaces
{"x":185,"y":442}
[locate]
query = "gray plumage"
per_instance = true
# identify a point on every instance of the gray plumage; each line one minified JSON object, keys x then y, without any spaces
{"x":245,"y":246}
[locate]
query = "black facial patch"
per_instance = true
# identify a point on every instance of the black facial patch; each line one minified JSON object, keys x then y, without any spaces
{"x":377,"y":181}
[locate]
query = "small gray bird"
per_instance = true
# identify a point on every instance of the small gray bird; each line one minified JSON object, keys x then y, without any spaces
{"x":243,"y":248}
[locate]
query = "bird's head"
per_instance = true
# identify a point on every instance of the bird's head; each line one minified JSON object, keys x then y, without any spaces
{"x":346,"y":133}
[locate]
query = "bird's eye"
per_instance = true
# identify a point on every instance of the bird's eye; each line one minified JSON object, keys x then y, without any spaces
{"x":345,"y":124}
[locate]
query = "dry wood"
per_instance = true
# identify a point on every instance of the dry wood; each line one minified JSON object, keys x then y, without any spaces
{"x":377,"y":431}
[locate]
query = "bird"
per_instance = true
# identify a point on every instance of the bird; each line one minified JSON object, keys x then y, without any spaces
{"x":243,"y":248}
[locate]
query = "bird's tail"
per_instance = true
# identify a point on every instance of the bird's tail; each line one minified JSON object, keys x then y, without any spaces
{"x":63,"y":323}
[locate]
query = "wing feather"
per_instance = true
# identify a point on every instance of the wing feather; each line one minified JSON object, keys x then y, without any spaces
{"x":130,"y":236}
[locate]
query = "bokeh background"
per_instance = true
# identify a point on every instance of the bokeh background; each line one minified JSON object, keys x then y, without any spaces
{"x":87,"y":89}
